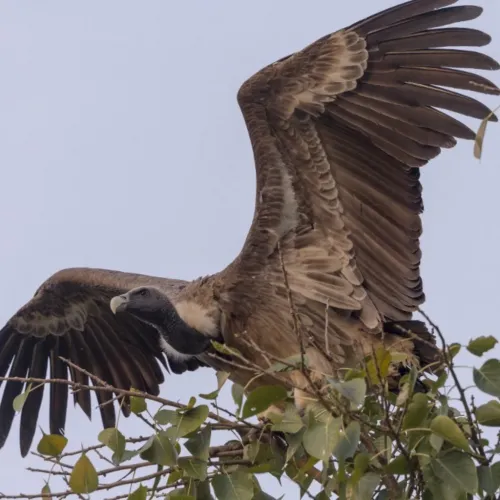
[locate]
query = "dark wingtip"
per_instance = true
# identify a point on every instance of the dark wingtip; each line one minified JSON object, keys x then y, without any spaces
{"x":58,"y":392}
{"x":33,"y":403}
{"x":12,"y":389}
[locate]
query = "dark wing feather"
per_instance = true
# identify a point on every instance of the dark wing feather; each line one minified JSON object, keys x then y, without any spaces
{"x":339,"y":130}
{"x":70,"y":317}
{"x":58,"y":392}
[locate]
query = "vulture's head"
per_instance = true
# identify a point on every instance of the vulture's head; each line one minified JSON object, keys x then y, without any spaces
{"x":151,"y":306}
{"x":143,"y":302}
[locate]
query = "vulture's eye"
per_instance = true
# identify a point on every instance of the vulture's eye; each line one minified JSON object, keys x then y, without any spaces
{"x":144,"y":292}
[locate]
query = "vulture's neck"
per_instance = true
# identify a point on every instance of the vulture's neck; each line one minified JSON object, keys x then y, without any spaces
{"x":182,"y":337}
{"x":176,"y":334}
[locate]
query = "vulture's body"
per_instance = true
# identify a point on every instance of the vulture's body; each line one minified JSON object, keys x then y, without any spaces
{"x":339,"y":131}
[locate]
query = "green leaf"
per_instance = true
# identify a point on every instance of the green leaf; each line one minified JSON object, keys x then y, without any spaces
{"x":224,"y":349}
{"x":399,"y":357}
{"x":456,"y":470}
{"x":441,"y":380}
{"x":417,"y":412}
{"x":321,"y":436}
{"x":378,"y":365}
{"x":113,"y":439}
{"x":489,"y":478}
{"x":210,"y":395}
{"x":83,"y":477}
{"x":403,"y":394}
{"x":198,"y":444}
{"x":20,"y":399}
{"x":189,"y":421}
{"x":481,"y":345}
{"x":481,"y":132}
{"x":265,"y":457}
{"x":203,"y":490}
{"x":52,"y":445}
{"x":454,"y":349}
{"x":127,"y":455}
{"x":262,"y":398}
{"x":159,"y":450}
{"x":348,"y":442}
{"x":46,"y":493}
{"x":193,"y":467}
{"x":361,"y":463}
{"x":489,"y":414}
{"x":221,"y":379}
{"x":398,"y":466}
{"x":299,"y":476}
{"x":295,"y":361}
{"x":235,"y":486}
{"x":294,"y":441}
{"x":435,"y":488}
{"x":354,"y":390}
{"x":237,"y":394}
{"x":164,"y":417}
{"x":367,"y":485}
{"x":174,"y":476}
{"x":140,"y":493}
{"x":353,"y":373}
{"x":290,"y":421}
{"x":436,"y":442}
{"x":487,"y":378}
{"x":446,"y":428}
{"x":137,"y":403}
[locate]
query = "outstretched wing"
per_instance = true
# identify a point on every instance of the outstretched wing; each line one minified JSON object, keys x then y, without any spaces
{"x":339,"y":131}
{"x":70,"y":317}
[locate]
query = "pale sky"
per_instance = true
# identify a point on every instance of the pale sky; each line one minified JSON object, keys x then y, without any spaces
{"x":122,"y":147}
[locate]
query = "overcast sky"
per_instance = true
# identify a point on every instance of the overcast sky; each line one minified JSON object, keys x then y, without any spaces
{"x":122,"y":147}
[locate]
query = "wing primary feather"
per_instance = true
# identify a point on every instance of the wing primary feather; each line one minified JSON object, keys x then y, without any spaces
{"x":145,"y":339}
{"x":451,"y":58}
{"x":9,"y":346}
{"x":427,"y":20}
{"x":127,"y":364}
{"x":397,"y":14}
{"x":432,"y":76}
{"x":150,"y":346}
{"x":403,"y":147}
{"x":417,"y":134}
{"x":445,"y":37}
{"x":77,"y":355}
{"x":58,"y":392}
{"x":31,"y":408}
{"x":121,"y":362}
{"x":108,"y":355}
{"x":98,"y":365}
{"x":423,"y":117}
{"x":13,"y":388}
{"x":416,"y":95}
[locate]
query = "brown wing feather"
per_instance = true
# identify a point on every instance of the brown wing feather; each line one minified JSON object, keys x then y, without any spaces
{"x":338,"y":131}
{"x":69,"y":316}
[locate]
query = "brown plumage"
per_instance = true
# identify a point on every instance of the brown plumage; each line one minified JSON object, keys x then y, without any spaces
{"x":339,"y":131}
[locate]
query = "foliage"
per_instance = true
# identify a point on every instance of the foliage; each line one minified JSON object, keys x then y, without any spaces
{"x":358,"y":440}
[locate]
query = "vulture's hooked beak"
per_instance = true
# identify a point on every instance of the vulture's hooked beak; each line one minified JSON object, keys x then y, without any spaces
{"x":118,"y":303}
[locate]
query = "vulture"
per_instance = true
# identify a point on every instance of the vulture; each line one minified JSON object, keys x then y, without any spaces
{"x":339,"y":132}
